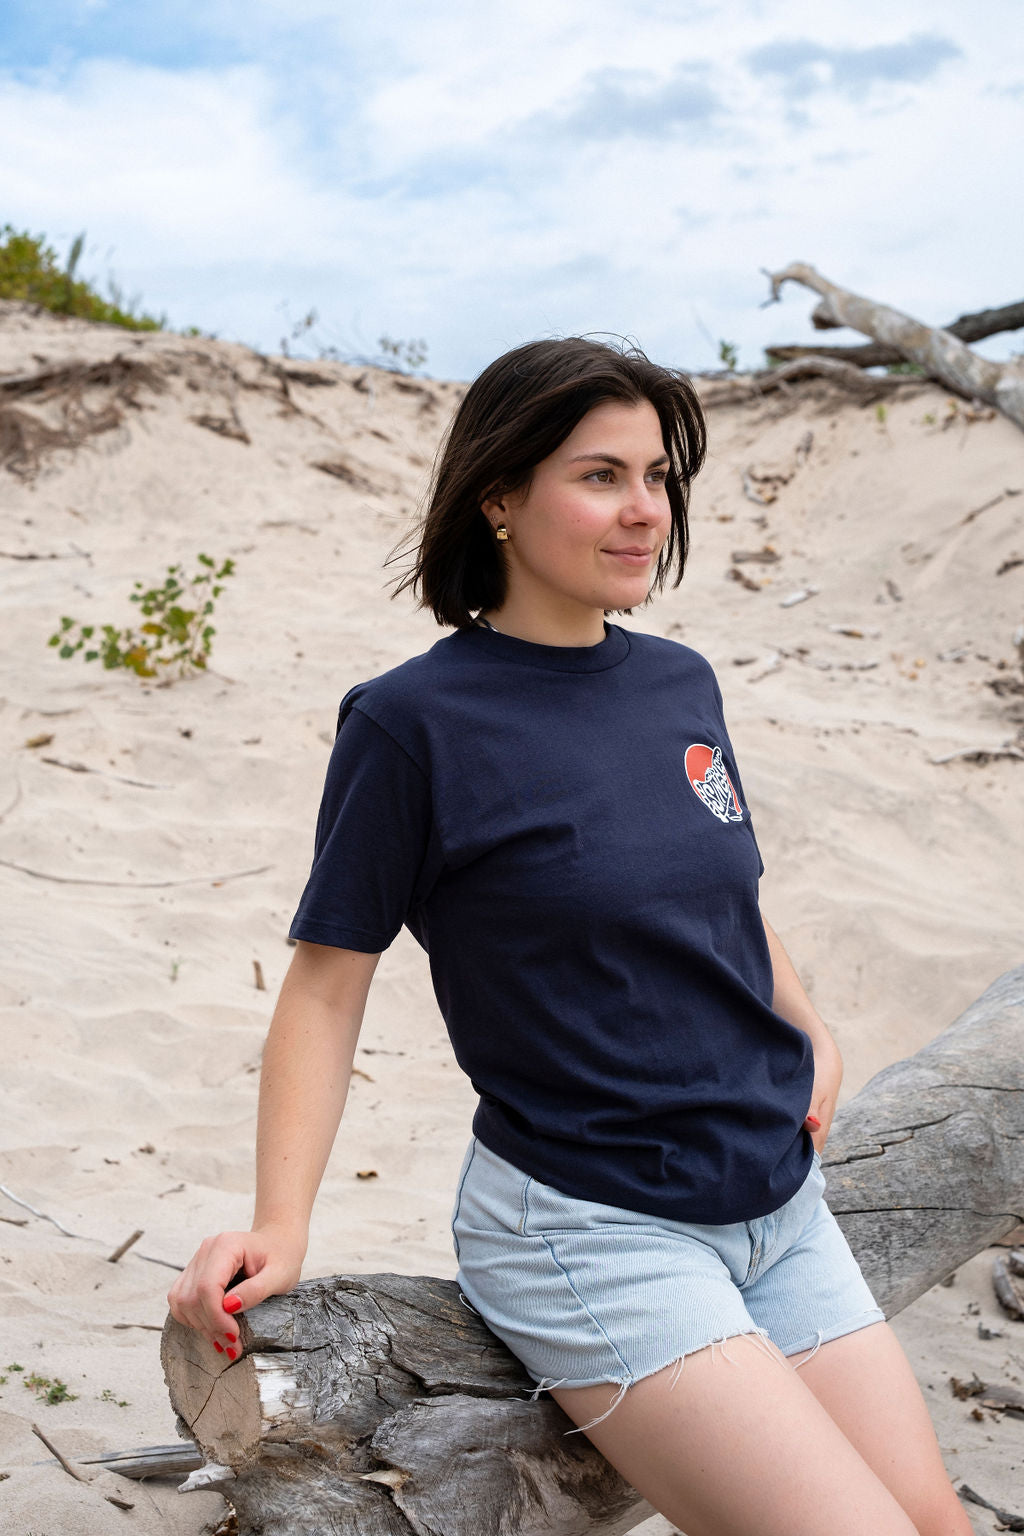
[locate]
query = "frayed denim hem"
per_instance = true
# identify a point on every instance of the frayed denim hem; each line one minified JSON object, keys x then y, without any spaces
{"x":828,"y":1335}
{"x":758,"y":1336}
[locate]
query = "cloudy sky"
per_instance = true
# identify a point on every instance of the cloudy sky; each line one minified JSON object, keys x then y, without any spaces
{"x":479,"y":173}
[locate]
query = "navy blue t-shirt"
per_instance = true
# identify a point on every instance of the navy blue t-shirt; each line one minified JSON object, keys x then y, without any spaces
{"x":564,"y":831}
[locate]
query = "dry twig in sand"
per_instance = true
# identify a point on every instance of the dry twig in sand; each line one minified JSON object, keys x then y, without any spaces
{"x":135,"y":885}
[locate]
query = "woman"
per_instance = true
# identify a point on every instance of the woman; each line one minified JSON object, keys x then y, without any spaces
{"x":552,"y":805}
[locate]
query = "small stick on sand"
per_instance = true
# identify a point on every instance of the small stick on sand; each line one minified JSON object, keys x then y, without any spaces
{"x":135,"y":885}
{"x":122,"y":1249}
{"x":120,"y":778}
{"x":79,"y":1477}
{"x":81,"y":1236}
{"x":9,"y":808}
{"x":978,"y":754}
{"x":261,"y":985}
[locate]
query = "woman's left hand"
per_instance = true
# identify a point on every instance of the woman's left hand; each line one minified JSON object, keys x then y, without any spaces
{"x":828,"y":1074}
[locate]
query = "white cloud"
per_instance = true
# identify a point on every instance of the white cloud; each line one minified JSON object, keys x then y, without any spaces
{"x":479,"y":174}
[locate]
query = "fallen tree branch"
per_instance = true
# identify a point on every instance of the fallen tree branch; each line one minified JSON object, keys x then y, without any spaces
{"x":867,"y":387}
{"x":941,"y":355}
{"x":875,"y":354}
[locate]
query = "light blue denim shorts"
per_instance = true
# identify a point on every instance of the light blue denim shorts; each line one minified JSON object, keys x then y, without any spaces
{"x":584,"y":1293}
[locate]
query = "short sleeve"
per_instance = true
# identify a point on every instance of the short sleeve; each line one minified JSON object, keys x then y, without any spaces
{"x":735,"y":774}
{"x":374,"y":839}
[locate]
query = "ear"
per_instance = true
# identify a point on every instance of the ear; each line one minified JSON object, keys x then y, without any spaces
{"x":493,"y":508}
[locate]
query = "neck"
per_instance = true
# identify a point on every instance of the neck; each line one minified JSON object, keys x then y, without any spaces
{"x":583,"y":627}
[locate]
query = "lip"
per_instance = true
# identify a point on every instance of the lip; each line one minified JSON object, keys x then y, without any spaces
{"x":631,"y":556}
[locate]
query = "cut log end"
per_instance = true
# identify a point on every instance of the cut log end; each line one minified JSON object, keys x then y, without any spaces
{"x":217,"y":1400}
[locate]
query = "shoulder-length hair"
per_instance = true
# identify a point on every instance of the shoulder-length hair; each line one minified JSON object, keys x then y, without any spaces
{"x":516,"y":413}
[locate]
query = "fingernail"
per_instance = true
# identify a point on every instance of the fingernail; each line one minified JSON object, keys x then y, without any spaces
{"x":218,"y":1347}
{"x":232,"y":1304}
{"x":232,"y":1338}
{"x":812,"y":1120}
{"x":232,"y":1353}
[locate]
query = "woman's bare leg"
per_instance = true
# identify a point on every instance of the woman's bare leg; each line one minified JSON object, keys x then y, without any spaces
{"x":738,"y":1446}
{"x":865,"y":1383}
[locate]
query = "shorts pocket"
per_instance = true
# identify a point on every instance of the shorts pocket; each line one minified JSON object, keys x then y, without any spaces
{"x":490,"y":1198}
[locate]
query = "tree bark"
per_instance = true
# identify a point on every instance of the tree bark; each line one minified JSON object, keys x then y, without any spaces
{"x":942,"y":355}
{"x":381,"y":1405}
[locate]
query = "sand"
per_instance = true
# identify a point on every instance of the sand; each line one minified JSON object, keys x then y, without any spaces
{"x":130,"y":1020}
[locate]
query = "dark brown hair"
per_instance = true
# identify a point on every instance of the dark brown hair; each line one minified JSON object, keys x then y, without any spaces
{"x":519,"y":410}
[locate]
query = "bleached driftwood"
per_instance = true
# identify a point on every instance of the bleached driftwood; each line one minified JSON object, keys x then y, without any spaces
{"x":875,"y":354}
{"x":941,"y":354}
{"x":867,"y":387}
{"x":381,"y":1405}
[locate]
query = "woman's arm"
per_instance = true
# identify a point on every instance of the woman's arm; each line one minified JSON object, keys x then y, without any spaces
{"x":791,"y":1002}
{"x":307,"y":1066}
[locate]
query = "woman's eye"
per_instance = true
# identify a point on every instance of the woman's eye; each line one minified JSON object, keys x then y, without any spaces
{"x":596,"y":474}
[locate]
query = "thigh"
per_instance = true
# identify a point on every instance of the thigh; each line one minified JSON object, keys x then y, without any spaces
{"x":865,"y":1383}
{"x":734,"y":1443}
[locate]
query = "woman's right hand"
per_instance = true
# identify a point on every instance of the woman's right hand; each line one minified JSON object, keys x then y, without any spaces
{"x":270,"y":1258}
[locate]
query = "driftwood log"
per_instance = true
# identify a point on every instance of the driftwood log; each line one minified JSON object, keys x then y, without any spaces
{"x":942,"y":355}
{"x":381,"y":1405}
{"x":875,"y":354}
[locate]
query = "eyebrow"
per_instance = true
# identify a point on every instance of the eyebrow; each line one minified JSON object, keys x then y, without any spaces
{"x":610,"y":458}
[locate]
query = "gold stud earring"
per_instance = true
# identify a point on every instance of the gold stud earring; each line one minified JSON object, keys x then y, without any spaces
{"x":501,"y":533}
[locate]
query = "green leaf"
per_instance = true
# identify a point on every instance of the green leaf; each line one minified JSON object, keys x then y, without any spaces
{"x":91,"y":655}
{"x":66,"y":651}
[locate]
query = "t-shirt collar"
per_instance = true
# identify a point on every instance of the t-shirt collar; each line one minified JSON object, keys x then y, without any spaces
{"x":553,"y":658}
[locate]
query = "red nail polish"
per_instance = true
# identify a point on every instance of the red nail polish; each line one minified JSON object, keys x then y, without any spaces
{"x":231,"y":1354}
{"x":232,"y":1304}
{"x":231,"y":1338}
{"x":813,"y":1122}
{"x":218,"y":1347}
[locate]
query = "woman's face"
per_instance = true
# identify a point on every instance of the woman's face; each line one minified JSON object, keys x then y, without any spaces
{"x":589,"y":530}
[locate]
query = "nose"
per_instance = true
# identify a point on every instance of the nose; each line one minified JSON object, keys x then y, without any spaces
{"x":644,"y":504}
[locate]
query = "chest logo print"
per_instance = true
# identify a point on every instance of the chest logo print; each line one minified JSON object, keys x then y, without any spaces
{"x":710,"y":782}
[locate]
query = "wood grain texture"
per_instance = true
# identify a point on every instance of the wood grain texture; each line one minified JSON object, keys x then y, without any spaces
{"x":925,"y":1167}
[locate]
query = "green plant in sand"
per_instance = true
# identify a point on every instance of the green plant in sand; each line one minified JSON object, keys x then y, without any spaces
{"x":50,"y":1389}
{"x":177,"y":635}
{"x":30,"y":270}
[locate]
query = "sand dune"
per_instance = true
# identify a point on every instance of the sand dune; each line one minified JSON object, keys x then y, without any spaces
{"x":131,"y":1022}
